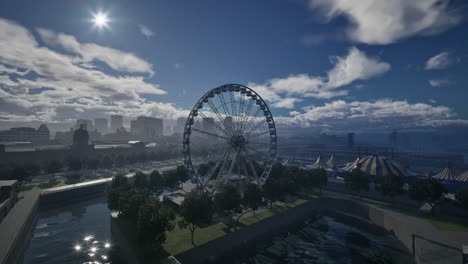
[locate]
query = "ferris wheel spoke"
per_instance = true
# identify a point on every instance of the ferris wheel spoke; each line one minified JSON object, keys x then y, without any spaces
{"x":233,"y":162}
{"x":221,"y":170}
{"x":223,"y":103}
{"x":217,"y":164}
{"x":258,"y":134}
{"x":233,"y":103}
{"x":208,"y":133}
{"x":250,"y":119}
{"x":257,"y":152}
{"x":213,"y":123}
{"x":252,"y":167}
{"x":251,"y":129}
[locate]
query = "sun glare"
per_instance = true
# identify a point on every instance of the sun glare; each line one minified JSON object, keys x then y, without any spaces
{"x":100,"y":19}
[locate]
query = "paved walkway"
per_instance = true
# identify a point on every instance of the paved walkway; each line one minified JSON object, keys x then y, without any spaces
{"x":15,"y":222}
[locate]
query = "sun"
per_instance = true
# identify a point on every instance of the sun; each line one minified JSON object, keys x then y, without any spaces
{"x":100,"y":19}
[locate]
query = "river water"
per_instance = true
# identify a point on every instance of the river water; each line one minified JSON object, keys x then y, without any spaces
{"x":77,"y":233}
{"x":80,"y":232}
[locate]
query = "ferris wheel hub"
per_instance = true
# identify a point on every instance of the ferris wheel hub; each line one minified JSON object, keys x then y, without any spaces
{"x":237,"y":141}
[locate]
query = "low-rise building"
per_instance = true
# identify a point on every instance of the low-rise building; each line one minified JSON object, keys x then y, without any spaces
{"x":38,"y":136}
{"x":8,"y":196}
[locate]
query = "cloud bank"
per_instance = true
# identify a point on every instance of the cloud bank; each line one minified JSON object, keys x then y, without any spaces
{"x":388,"y":21}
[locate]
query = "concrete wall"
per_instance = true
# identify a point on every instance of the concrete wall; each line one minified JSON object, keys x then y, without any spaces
{"x":250,"y":239}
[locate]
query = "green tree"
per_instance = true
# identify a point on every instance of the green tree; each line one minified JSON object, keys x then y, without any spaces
{"x":92,"y":163}
{"x":228,"y":202}
{"x":272,"y":191}
{"x":54,"y":166}
{"x":32,"y":168}
{"x":106,"y":162}
{"x":462,"y":197}
{"x":20,"y":174}
{"x":115,"y":190}
{"x":171,"y":180}
{"x":182,"y":173}
{"x":196,"y":211}
{"x":357,"y":180}
{"x":252,"y":197}
{"x":427,"y":190}
{"x":140,"y":180}
{"x":121,"y":160}
{"x":154,"y":221}
{"x":391,"y":185}
{"x":130,"y":202}
{"x":156,"y":181}
{"x":320,"y":178}
{"x":74,"y":164}
{"x":203,"y":169}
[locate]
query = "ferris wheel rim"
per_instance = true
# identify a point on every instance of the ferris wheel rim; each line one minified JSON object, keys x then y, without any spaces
{"x":252,"y":95}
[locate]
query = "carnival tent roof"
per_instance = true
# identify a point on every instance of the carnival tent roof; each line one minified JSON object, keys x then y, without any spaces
{"x":446,"y":175}
{"x":332,"y":162}
{"x":378,"y":166}
{"x":319,"y":164}
{"x":351,"y":166}
{"x":463,"y":177}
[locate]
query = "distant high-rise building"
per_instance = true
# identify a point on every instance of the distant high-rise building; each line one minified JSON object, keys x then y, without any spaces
{"x":146,"y":128}
{"x":101,"y":124}
{"x":228,"y":123}
{"x":180,"y":125}
{"x":85,"y":123}
{"x":116,"y":122}
{"x":350,"y":140}
{"x":40,"y":136}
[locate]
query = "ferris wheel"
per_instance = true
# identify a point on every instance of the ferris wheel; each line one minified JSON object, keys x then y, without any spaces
{"x":229,"y":138}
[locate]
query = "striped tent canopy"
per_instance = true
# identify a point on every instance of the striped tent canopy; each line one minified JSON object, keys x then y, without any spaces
{"x":332,"y":162}
{"x":319,"y":164}
{"x":378,"y":166}
{"x":446,"y":175}
{"x":406,"y":171}
{"x":463,"y":177}
{"x":351,"y":166}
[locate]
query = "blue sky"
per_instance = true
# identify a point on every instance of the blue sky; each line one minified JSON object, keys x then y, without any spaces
{"x":333,"y":64}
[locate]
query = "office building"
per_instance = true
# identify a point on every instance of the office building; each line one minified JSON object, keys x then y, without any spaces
{"x":116,"y":122}
{"x":38,"y":136}
{"x":146,"y":128}
{"x":101,"y":124}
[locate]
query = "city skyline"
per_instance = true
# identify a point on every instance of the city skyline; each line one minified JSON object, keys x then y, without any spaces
{"x":317,"y":64}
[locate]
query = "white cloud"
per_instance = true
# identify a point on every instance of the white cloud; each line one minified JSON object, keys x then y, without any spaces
{"x":286,"y":103}
{"x":178,"y":65}
{"x":439,"y":61}
{"x":74,"y":89}
{"x":387,"y":21}
{"x":382,"y":114}
{"x":148,"y":33}
{"x":438,"y":82}
{"x":116,"y":59}
{"x":356,"y":65}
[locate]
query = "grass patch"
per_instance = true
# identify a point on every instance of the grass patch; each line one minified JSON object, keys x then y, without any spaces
{"x":178,"y":240}
{"x":49,"y":184}
{"x":28,"y":187}
{"x":448,"y":223}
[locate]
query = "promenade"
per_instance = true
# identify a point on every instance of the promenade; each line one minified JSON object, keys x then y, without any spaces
{"x":15,"y":226}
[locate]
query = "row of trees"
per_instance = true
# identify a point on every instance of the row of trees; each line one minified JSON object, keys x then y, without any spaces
{"x":424,"y":189}
{"x":24,"y":172}
{"x":135,"y":201}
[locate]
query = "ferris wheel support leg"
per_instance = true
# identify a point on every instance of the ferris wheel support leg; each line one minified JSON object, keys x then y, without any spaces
{"x":218,"y":178}
{"x":233,"y":162}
